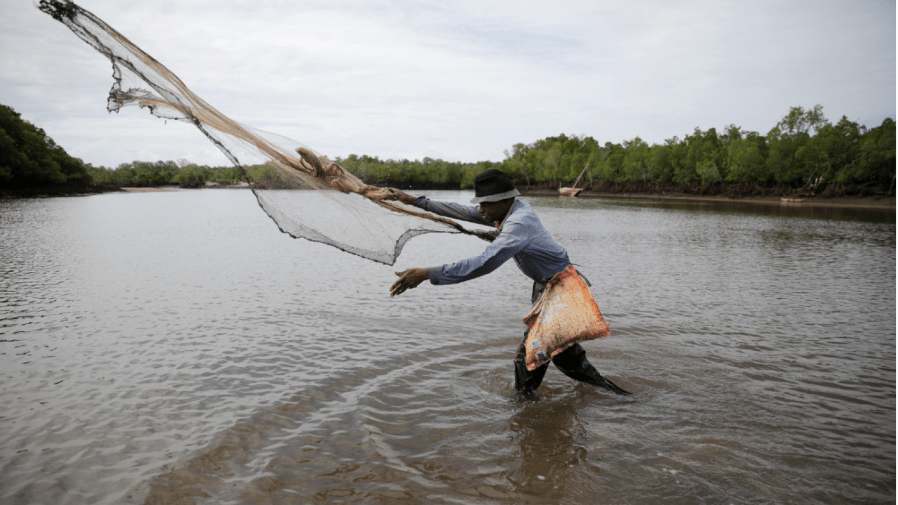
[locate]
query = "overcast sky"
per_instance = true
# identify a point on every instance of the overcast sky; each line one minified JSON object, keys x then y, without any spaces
{"x":461,"y":81}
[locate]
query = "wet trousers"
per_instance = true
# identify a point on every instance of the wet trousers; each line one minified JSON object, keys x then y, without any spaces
{"x":572,"y":362}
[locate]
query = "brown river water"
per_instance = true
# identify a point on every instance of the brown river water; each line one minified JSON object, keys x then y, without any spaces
{"x":177,"y":348}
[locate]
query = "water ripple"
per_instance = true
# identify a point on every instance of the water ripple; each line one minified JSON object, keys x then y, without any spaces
{"x":176,"y":344}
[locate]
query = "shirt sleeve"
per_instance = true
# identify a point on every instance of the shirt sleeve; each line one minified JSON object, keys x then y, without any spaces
{"x":511,"y":241}
{"x":451,"y":210}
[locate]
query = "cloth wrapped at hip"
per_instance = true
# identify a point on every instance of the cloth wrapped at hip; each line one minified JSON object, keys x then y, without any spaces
{"x":565,"y":314}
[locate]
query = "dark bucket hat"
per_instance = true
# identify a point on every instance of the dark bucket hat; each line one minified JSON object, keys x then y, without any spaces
{"x":492,"y":186}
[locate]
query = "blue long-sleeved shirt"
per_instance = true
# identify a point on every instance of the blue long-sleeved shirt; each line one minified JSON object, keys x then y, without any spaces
{"x":521,"y":236}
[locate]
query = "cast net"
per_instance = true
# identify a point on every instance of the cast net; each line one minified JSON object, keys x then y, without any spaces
{"x":305,"y":194}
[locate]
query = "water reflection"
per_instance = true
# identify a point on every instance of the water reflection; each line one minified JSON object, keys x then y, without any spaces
{"x":552,"y":439}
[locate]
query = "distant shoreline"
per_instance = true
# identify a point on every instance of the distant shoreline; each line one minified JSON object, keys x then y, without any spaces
{"x":866,"y":202}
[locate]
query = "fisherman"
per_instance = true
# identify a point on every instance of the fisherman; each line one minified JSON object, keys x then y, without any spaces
{"x":522,"y":237}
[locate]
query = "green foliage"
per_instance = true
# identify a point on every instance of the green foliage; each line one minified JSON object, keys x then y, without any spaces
{"x":191,"y":176}
{"x":746,"y":158}
{"x":223,"y":175}
{"x":163,"y":173}
{"x":704,"y":157}
{"x":635,"y":165}
{"x":799,"y":121}
{"x":263,"y":174}
{"x":428,"y":172}
{"x":708,"y":171}
{"x":782,"y":147}
{"x":513,"y":164}
{"x":844,"y":152}
{"x":28,"y":157}
{"x":659,"y":162}
{"x":831,"y":153}
{"x":552,"y":159}
{"x":610,"y":168}
{"x":877,"y":163}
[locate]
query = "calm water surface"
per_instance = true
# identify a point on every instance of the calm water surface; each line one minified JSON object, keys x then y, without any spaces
{"x":177,"y":348}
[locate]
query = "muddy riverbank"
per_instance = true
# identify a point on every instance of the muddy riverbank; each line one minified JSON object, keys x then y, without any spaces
{"x":873,"y":202}
{"x":771,"y":197}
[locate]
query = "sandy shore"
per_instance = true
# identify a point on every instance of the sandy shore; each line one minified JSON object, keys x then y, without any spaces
{"x":147,"y":190}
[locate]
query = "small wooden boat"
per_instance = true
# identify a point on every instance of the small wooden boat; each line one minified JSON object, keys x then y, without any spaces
{"x":573,"y":192}
{"x":791,"y":200}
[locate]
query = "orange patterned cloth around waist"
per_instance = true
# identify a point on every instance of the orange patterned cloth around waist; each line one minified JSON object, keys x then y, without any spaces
{"x":565,"y":314}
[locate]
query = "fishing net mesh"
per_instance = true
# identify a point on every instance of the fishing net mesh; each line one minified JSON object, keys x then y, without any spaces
{"x":307,"y":195}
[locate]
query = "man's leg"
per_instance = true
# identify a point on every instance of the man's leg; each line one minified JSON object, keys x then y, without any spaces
{"x":526,"y":381}
{"x":572,"y":361}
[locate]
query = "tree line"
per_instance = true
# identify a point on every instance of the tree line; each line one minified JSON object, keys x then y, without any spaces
{"x":163,"y":173}
{"x":804,"y":149}
{"x":29,"y":157}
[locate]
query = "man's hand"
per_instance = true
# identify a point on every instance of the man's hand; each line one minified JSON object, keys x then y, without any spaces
{"x":409,"y":279}
{"x":402,"y":197}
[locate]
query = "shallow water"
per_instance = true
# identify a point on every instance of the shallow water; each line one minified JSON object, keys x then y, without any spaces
{"x":159,"y":347}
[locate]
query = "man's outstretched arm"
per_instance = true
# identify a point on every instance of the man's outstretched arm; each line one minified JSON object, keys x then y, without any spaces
{"x":402,"y":196}
{"x":450,"y":210}
{"x":409,"y":279}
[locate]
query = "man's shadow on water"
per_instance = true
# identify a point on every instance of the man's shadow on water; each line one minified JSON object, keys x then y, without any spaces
{"x":552,"y":441}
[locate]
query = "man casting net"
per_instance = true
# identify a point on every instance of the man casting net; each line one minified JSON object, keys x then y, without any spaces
{"x":564,"y":312}
{"x":306,"y":195}
{"x":310,"y":197}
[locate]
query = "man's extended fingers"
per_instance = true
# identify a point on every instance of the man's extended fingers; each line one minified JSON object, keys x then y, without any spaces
{"x":407,"y":280}
{"x":398,"y":287}
{"x":398,"y":290}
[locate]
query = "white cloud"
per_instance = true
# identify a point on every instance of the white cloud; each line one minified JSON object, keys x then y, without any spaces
{"x":460,"y":81}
